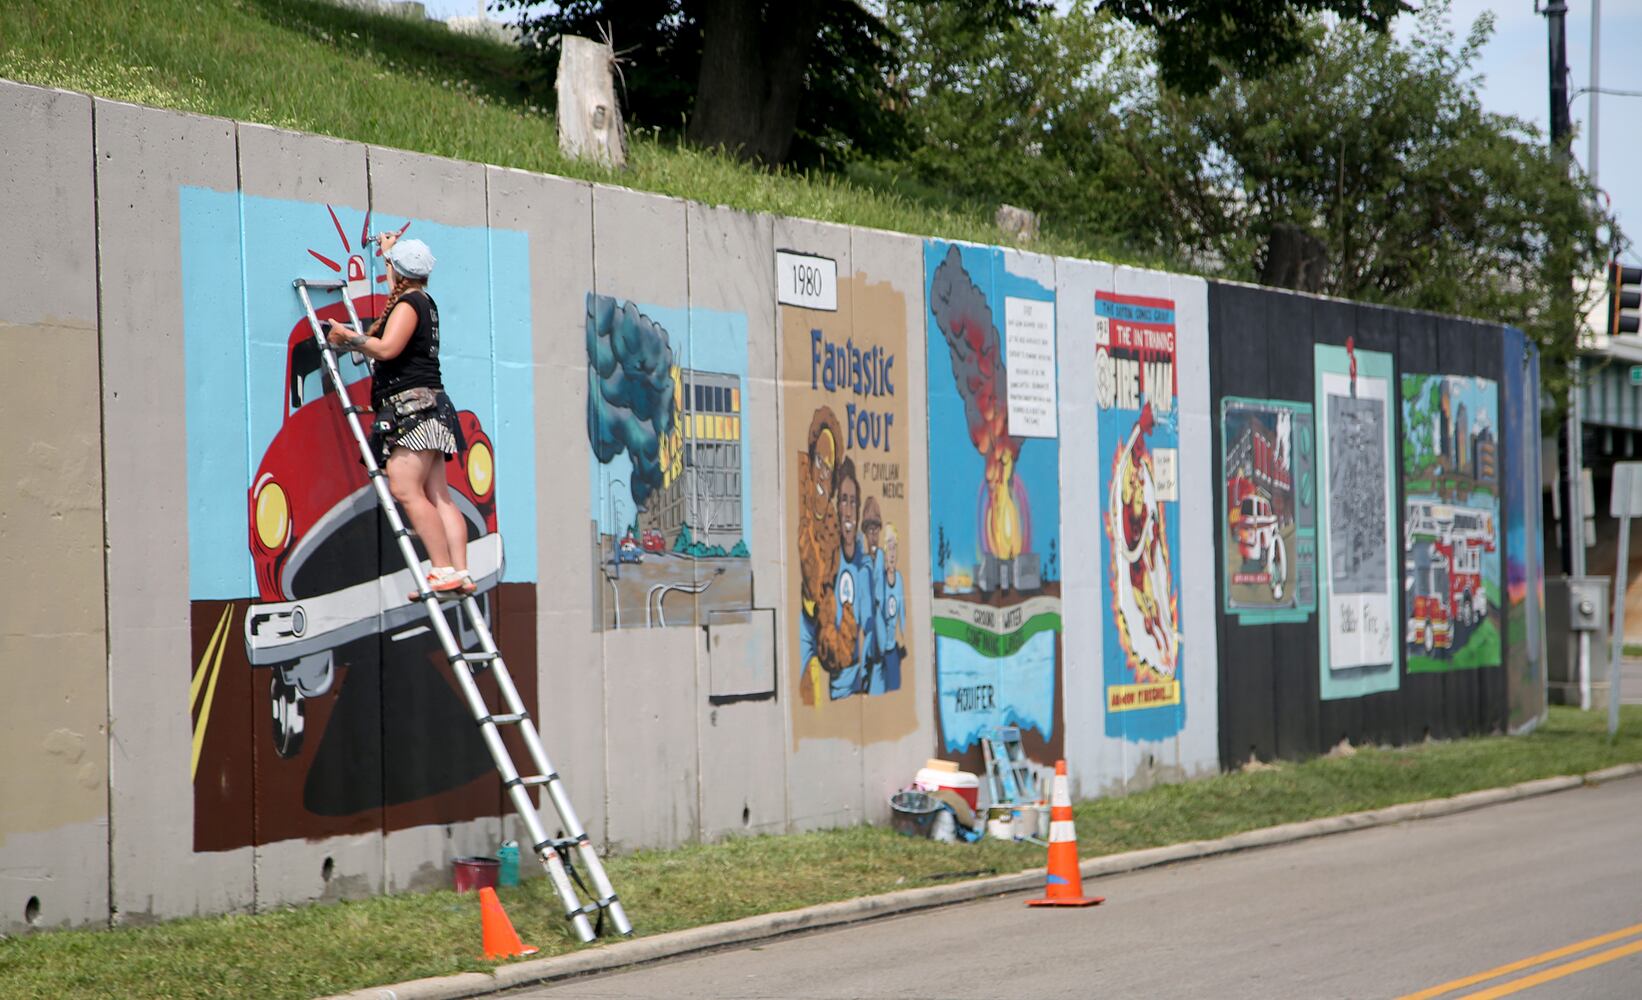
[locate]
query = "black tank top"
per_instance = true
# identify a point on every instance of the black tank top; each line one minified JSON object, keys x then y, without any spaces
{"x":417,"y":366}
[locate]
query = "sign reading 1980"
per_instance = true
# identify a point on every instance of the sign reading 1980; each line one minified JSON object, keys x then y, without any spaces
{"x":807,"y":281}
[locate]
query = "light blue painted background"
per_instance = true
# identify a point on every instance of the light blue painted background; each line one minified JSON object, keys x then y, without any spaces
{"x":239,"y":256}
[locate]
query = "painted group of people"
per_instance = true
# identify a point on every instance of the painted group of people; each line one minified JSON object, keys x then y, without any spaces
{"x":869,"y":580}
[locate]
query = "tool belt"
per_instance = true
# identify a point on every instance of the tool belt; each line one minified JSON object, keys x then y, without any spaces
{"x":404,"y":410}
{"x":411,"y":401}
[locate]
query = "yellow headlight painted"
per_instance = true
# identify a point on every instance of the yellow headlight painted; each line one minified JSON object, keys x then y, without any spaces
{"x":273,"y":516}
{"x":481,"y":469}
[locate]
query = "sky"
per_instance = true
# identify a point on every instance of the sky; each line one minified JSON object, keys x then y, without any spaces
{"x":1515,"y":69}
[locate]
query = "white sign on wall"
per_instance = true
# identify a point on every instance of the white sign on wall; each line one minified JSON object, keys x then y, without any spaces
{"x":805,"y":280}
{"x":1029,"y":345}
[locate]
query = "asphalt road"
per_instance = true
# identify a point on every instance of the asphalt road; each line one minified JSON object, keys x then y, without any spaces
{"x":1384,"y":912}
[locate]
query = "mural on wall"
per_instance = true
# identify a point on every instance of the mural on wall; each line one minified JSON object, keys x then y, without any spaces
{"x":1451,"y":530}
{"x":1524,"y":542}
{"x":844,"y":390}
{"x":316,"y":681}
{"x":669,"y":472}
{"x":1136,"y":396}
{"x":1268,"y":456}
{"x":994,"y":500}
{"x":1356,"y":517}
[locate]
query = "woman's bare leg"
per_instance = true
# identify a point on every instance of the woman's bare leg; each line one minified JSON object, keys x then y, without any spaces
{"x":407,"y":471}
{"x":455,"y":525}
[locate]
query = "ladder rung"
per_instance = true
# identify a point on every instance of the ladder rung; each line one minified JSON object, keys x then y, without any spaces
{"x":355,"y":408}
{"x":507,"y":718}
{"x":378,"y":473}
{"x":564,"y":842}
{"x":594,"y":907}
{"x":401,"y":533}
{"x":534,"y":779}
{"x":480,"y":657}
{"x":330,"y":285}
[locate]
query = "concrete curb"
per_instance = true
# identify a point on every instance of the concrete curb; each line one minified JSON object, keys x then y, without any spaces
{"x":769,"y":925}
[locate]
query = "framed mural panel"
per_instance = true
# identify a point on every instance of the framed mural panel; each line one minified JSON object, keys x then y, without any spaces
{"x":669,"y":470}
{"x":1451,"y":522}
{"x":315,"y":679}
{"x":1268,"y":460}
{"x":994,"y":500}
{"x":1356,"y":522}
{"x":843,"y":384}
{"x":1136,"y":398}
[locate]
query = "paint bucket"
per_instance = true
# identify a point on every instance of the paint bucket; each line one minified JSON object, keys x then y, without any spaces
{"x":913,"y":813}
{"x":938,"y":774}
{"x":476,"y":873}
{"x":1000,"y":822}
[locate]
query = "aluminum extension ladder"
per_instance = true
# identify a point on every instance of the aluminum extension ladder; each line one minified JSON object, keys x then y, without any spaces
{"x":554,"y":853}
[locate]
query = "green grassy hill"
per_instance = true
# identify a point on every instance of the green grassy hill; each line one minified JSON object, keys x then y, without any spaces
{"x":307,"y":65}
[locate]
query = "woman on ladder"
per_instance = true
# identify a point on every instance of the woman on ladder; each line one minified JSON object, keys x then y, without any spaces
{"x":416,"y":430}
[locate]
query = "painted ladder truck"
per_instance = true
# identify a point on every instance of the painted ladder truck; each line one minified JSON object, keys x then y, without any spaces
{"x":1445,"y":546}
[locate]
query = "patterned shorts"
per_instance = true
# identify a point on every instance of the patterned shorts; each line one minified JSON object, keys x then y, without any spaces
{"x":426,"y":435}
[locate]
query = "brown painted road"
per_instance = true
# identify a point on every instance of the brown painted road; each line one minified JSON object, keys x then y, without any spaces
{"x":1384,"y":912}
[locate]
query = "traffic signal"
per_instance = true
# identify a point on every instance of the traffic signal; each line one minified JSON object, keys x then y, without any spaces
{"x":1624,"y":299}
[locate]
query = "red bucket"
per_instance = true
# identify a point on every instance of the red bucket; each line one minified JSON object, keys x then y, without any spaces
{"x":476,"y":873}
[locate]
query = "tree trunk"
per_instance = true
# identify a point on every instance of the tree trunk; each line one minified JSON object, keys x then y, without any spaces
{"x":589,"y":118}
{"x":753,"y":59}
{"x":1294,"y":259}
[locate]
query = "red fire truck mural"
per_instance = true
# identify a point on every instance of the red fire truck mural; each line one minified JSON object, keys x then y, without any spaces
{"x":1445,"y":547}
{"x":1451,"y":543}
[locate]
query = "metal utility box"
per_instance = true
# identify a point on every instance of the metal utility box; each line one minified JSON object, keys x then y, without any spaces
{"x":1574,"y":606}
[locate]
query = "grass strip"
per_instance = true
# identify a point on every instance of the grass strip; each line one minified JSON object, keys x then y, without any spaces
{"x":415,"y":85}
{"x":321,"y":949}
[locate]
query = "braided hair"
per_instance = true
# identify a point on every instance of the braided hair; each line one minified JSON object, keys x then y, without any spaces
{"x":401,"y":285}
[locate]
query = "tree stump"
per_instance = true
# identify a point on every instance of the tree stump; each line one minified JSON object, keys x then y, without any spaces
{"x":590,"y":124}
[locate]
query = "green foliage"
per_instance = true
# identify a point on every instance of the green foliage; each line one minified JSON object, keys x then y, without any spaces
{"x":1382,"y":151}
{"x":739,"y":550}
{"x":1199,"y":40}
{"x":845,"y":109}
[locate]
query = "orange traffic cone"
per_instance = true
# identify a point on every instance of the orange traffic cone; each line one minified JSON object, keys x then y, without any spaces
{"x":1063,"y":886}
{"x":501,"y":940}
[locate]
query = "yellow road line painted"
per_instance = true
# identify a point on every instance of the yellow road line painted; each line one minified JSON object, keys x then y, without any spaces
{"x":1555,"y":972}
{"x":210,"y":689}
{"x":199,"y":671}
{"x":1517,"y":966}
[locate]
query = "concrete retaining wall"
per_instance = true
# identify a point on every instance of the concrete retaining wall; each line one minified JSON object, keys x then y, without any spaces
{"x":755,"y":545}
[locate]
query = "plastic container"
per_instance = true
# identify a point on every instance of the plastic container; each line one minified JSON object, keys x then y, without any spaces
{"x":473,"y":874}
{"x":1000,"y":823}
{"x":508,"y":855}
{"x":913,"y":813}
{"x":938,"y":774}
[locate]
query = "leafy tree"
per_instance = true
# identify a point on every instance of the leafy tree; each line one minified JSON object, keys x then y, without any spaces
{"x":1197,"y":40}
{"x":800,"y":82}
{"x":1379,"y":155}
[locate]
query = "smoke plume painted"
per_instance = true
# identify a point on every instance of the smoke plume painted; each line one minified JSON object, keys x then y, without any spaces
{"x":978,"y":365}
{"x":979,"y":369}
{"x":630,"y":391}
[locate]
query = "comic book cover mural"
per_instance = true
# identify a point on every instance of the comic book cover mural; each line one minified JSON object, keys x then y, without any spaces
{"x":1135,"y":396}
{"x":843,"y":384}
{"x":1524,"y":553}
{"x":1268,"y":456}
{"x":317,"y":682}
{"x":1356,"y":425}
{"x":994,"y":500}
{"x":669,"y":473}
{"x":1451,"y":530}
